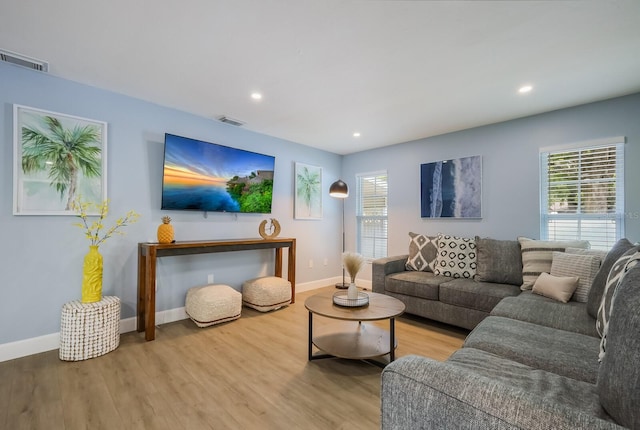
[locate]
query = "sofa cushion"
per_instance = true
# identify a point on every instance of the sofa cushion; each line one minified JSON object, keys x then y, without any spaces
{"x":571,"y":316}
{"x":585,"y":267}
{"x":558,"y":288}
{"x":568,"y":354}
{"x":472,"y":294}
{"x":619,"y":378}
{"x":599,"y":282}
{"x":415,"y":284}
{"x":456,"y":257}
{"x":499,"y":261}
{"x":537,"y":256}
{"x":615,"y":274}
{"x":422,"y":252}
{"x":478,"y":390}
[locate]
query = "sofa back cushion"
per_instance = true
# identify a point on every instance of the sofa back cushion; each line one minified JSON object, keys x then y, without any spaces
{"x":597,"y":286}
{"x":619,"y":374}
{"x":422,"y":252}
{"x":499,"y":261}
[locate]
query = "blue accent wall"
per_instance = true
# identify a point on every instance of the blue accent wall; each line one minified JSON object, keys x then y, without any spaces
{"x":42,"y":262}
{"x":41,"y":265}
{"x":510,"y":171}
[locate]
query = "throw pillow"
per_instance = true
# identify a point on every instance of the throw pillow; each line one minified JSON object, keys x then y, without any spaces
{"x":456,"y":257}
{"x":595,"y":252}
{"x":559,"y":288}
{"x":599,"y":282}
{"x":498,"y":261}
{"x":585,"y":267}
{"x":422,"y":252}
{"x":537,"y":256}
{"x":616,"y":273}
{"x":631,"y":261}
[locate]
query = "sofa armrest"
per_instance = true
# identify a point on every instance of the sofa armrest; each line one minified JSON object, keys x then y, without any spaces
{"x":383,"y":267}
{"x":420,"y":393}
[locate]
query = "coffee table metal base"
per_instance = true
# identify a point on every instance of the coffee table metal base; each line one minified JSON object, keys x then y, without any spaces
{"x":353,"y":340}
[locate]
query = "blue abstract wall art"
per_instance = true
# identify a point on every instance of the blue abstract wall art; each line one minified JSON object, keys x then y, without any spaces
{"x":451,"y":188}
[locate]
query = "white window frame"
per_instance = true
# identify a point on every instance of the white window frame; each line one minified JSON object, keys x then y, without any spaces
{"x":371,"y":254}
{"x":546,"y":218}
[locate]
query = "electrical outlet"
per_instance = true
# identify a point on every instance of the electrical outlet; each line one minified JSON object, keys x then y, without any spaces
{"x":310,"y":264}
{"x":326,"y":261}
{"x":210,"y":278}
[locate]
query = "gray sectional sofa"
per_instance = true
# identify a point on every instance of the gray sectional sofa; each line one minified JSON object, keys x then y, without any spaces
{"x":459,"y":301}
{"x":533,"y":364}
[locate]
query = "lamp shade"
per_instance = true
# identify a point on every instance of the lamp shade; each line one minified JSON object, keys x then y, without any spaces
{"x":339,"y":189}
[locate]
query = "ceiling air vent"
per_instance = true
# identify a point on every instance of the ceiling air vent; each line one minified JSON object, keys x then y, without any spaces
{"x":231,"y":121}
{"x":24,"y":61}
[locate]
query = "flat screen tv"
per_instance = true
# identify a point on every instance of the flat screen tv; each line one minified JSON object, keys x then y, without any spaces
{"x":208,"y":177}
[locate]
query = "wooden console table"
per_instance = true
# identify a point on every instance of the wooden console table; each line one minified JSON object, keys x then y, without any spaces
{"x":148,"y":252}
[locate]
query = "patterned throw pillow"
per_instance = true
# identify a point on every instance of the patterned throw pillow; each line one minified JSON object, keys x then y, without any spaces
{"x":537,"y":256}
{"x":456,"y":257}
{"x":630,"y":261}
{"x":615,"y":275}
{"x":585,"y":267}
{"x":422,"y":252}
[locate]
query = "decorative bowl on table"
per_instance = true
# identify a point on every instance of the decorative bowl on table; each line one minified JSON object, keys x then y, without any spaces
{"x":340,"y":298}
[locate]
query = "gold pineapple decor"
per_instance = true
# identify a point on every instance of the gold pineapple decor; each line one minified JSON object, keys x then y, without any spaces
{"x":165,"y":230}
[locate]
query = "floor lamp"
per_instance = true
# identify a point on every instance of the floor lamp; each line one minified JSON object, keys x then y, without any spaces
{"x":340,"y":190}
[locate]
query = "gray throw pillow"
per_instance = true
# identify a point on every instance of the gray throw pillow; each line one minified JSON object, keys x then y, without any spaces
{"x":597,"y":286}
{"x":585,"y":267}
{"x":499,"y":261}
{"x":619,"y":371}
{"x":422,"y":252}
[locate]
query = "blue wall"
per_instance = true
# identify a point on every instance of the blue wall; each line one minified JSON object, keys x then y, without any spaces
{"x":510,"y":182}
{"x":41,"y":267}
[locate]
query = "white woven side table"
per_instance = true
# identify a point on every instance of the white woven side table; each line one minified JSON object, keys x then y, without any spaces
{"x":89,"y":330}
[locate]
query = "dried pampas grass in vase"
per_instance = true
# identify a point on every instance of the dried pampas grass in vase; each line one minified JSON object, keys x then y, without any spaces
{"x":352,"y":263}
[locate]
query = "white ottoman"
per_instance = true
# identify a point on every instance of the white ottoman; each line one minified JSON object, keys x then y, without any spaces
{"x":266,"y":293}
{"x":89,"y":330}
{"x":213,"y":304}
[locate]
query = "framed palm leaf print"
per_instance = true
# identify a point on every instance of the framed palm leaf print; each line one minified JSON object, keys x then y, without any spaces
{"x":58,"y":159}
{"x":308,"y":192}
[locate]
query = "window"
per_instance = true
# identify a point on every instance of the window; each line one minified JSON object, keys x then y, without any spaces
{"x":371,"y":214}
{"x":582,"y":193}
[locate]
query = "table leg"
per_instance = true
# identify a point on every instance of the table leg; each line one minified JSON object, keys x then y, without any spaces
{"x":150,"y":295}
{"x":292,"y":269}
{"x":392,"y":337}
{"x":310,"y":345}
{"x":142,"y":282}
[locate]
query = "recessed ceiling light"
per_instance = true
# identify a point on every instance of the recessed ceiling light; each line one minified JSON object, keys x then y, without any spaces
{"x":525,"y":89}
{"x":256,"y":96}
{"x":356,"y":134}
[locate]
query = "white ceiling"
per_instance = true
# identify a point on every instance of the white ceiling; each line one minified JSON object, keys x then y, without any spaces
{"x":393,"y":70}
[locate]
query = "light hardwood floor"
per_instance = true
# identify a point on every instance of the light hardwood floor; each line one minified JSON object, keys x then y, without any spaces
{"x":251,"y":373}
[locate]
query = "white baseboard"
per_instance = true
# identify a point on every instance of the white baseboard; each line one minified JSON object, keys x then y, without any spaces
{"x":49,"y":342}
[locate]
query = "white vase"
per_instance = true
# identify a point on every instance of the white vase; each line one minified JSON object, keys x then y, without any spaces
{"x":352,"y":291}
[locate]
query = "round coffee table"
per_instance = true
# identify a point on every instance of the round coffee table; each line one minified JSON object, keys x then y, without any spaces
{"x":359,"y":341}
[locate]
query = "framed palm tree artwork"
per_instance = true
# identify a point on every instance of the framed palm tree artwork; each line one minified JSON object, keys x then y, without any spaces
{"x":308,"y":192}
{"x":58,"y":159}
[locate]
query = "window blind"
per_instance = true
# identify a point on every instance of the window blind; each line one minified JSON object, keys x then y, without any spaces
{"x":582,"y":194}
{"x":371,"y":214}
